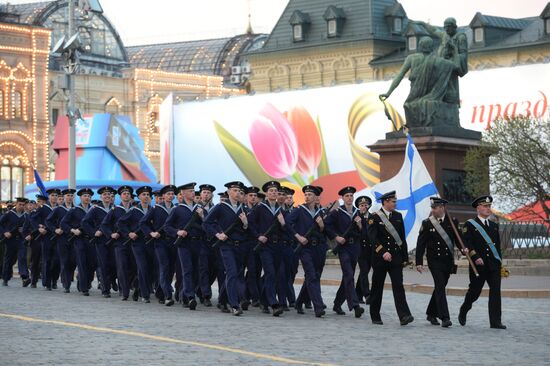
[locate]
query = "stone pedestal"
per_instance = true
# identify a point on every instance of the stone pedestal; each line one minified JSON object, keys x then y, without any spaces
{"x":443,"y":157}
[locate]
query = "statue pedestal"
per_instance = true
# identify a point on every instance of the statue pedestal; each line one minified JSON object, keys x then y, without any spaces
{"x":443,"y":157}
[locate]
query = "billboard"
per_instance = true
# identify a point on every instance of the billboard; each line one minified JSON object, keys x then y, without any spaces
{"x":108,"y":147}
{"x":320,"y":136}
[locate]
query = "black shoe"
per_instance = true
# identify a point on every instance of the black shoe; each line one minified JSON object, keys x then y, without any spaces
{"x":358,"y":311}
{"x":432,"y":319}
{"x":26,"y":282}
{"x":224,"y":309}
{"x":237,"y":311}
{"x":406,"y":319}
{"x":245,"y":304}
{"x":114,"y":286}
{"x":308,"y":305}
{"x":498,"y":326}
{"x":277,"y":311}
{"x":85,"y":293}
{"x":192,"y":304}
{"x":67,"y":290}
{"x":135,"y":295}
{"x":169,"y":302}
{"x":162,"y":301}
{"x":265,"y":310}
{"x":255,"y":304}
{"x":338,"y":310}
{"x":54,"y":286}
{"x":368,"y":300}
{"x":107,"y":296}
{"x":124,"y":298}
{"x":324,"y":306}
{"x":319,"y":314}
{"x":286,"y":308}
{"x":300,"y":310}
{"x":4,"y":283}
{"x":462,"y":317}
{"x":207,"y":303}
{"x":48,"y":288}
{"x":33,"y":285}
{"x":145,"y":300}
{"x":378,"y":322}
{"x":446,"y":323}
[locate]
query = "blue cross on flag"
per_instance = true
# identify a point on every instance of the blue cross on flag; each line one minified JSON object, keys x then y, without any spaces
{"x":413,"y":185}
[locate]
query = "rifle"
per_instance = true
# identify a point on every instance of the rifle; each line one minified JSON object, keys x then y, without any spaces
{"x":462,"y":246}
{"x":268,"y":231}
{"x":229,"y":229}
{"x":346,"y":233}
{"x":188,"y":225}
{"x":138,"y":233}
{"x":323,"y":213}
{"x":13,"y":233}
{"x":74,"y":237}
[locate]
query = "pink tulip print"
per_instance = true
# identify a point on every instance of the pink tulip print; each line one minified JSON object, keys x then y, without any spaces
{"x":274,"y":142}
{"x":309,"y":140}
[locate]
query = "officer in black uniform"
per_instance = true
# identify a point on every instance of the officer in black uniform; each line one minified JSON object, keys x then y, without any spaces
{"x":438,"y":240}
{"x":387,"y":234}
{"x":481,"y":237}
{"x":362,"y":286}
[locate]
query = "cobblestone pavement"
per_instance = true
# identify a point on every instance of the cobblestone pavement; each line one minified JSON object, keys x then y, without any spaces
{"x":43,"y":328}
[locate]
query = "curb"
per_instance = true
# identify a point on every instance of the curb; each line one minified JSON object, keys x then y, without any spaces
{"x":451,"y":291}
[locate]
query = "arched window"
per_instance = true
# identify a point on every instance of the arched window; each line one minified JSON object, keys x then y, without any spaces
{"x":17,"y":106}
{"x":11,"y":180}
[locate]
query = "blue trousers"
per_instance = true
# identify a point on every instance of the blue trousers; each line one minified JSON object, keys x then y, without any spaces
{"x":253,"y":272}
{"x":35,"y":260}
{"x":166,"y":254}
{"x":142,"y":255}
{"x":15,"y":251}
{"x":189,"y":252}
{"x":125,"y":268}
{"x":67,"y":260}
{"x":207,"y":269}
{"x":285,"y":280}
{"x":49,"y":258}
{"x":312,"y":263}
{"x":348,"y":255}
{"x":233,"y":264}
{"x":271,"y":256}
{"x":86,"y":260}
{"x":106,"y":264}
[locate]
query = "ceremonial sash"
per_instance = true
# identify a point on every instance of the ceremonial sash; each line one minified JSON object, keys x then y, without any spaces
{"x":487,"y":239}
{"x":442,"y":232}
{"x":390,"y":228}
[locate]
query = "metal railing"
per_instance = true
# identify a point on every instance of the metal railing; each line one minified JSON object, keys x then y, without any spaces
{"x":525,"y":239}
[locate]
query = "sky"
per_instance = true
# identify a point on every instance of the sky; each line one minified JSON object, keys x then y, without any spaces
{"x":159,"y":21}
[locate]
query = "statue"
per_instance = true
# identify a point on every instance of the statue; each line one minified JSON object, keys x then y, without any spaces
{"x":434,"y":98}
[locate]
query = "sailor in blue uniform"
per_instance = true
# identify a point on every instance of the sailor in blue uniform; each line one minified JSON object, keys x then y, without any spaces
{"x":130,"y":229}
{"x":11,"y":227}
{"x":344,"y":226}
{"x":183,"y":225}
{"x":210,"y":268}
{"x":289,"y":264}
{"x":125,"y":263}
{"x":227,"y":222}
{"x":65,"y":251}
{"x":266,"y":222}
{"x":85,"y":253}
{"x":48,"y":247}
{"x":91,"y":227}
{"x":152,"y":225}
{"x":306,"y":226}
